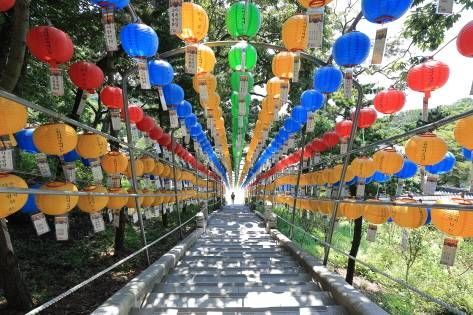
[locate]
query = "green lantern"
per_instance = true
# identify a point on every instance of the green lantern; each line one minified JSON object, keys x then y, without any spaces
{"x":236,"y":107}
{"x":243,"y":20}
{"x":242,"y":77}
{"x":242,"y":56}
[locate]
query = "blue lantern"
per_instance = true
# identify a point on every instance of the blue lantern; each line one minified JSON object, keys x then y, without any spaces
{"x":190,"y":121}
{"x":351,"y":49}
{"x":184,"y":109}
{"x":173,"y":94}
{"x":195,"y":130}
{"x":368,"y":180}
{"x":444,"y":166}
{"x":380,"y":177}
{"x":24,"y":138}
{"x":409,"y":169}
{"x":292,"y":126}
{"x":161,"y":72}
{"x":299,"y":114}
{"x":328,"y":79}
{"x":30,"y":205}
{"x":384,"y":11}
{"x":467,"y":154}
{"x":139,"y":40}
{"x":312,"y":100}
{"x":353,"y":181}
{"x":71,"y":156}
{"x":116,"y":4}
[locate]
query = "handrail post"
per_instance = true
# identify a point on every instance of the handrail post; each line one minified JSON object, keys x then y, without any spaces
{"x":301,"y":160}
{"x":176,"y":200}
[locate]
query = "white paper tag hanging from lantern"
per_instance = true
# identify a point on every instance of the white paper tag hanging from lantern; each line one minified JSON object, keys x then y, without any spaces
{"x":6,"y":160}
{"x":61,"y":224}
{"x":40,"y":224}
{"x":162,"y":99}
{"x":110,"y":215}
{"x":82,"y":103}
{"x":135,"y":133}
{"x":343,"y":145}
{"x":203,"y":91}
{"x":316,"y":26}
{"x":97,"y":222}
{"x":175,"y":17}
{"x":116,"y":119}
{"x":143,"y":73}
{"x":174,"y":121}
{"x":135,"y":216}
{"x":43,"y":165}
{"x":449,"y":251}
{"x":110,"y":32}
{"x":116,"y":220}
{"x":69,"y":170}
{"x":96,"y":170}
{"x":360,"y":189}
{"x":297,"y":67}
{"x":56,"y":82}
{"x":311,"y":122}
{"x":371,"y":233}
{"x":445,"y":7}
{"x":284,"y":92}
{"x":242,"y":108}
{"x":191,"y":59}
{"x":348,"y":83}
{"x":243,"y":88}
{"x":430,"y":184}
{"x":187,"y":139}
{"x":379,"y":46}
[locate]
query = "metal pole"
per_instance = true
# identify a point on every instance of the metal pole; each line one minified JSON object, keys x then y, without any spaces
{"x":301,"y":160}
{"x":176,"y":200}
{"x":132,"y":161}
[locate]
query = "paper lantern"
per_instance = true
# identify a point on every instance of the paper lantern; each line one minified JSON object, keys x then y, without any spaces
{"x":351,"y":49}
{"x":467,"y":154}
{"x":444,"y":166}
{"x":50,"y":45}
{"x":312,"y":100}
{"x":313,"y":3}
{"x":91,"y":146}
{"x":9,"y":202}
{"x":165,"y":139}
{"x":139,"y":40}
{"x":13,"y":117}
{"x":425,"y":149}
{"x":91,"y":203}
{"x":117,"y":202}
{"x":206,"y":80}
{"x":243,"y":19}
{"x":174,"y":94}
{"x":428,"y":77}
{"x":465,"y":40}
{"x":363,"y":167}
{"x":453,"y":222}
{"x":376,"y":214}
{"x":408,"y":216}
{"x":389,"y":101}
{"x":331,"y":139}
{"x":24,"y":139}
{"x":236,"y":79}
{"x":146,"y":124}
{"x":343,"y":128}
{"x":114,"y":163}
{"x":160,"y":72}
{"x":388,"y":161}
{"x":57,"y":204}
{"x":318,"y":145}
{"x":117,"y":4}
{"x":299,"y":114}
{"x":148,"y":164}
{"x":283,"y":65}
{"x":384,"y":11}
{"x":381,"y":177}
{"x":156,"y":133}
{"x":132,"y":201}
{"x":205,"y":59}
{"x":327,"y":79}
{"x":184,"y":109}
{"x":135,"y":114}
{"x":86,"y":76}
{"x":6,"y":5}
{"x":112,"y":97}
{"x":463,"y":132}
{"x":409,"y":169}
{"x":351,"y":210}
{"x":147,"y":200}
{"x":242,"y":56}
{"x":295,"y":33}
{"x":366,"y":117}
{"x":195,"y":23}
{"x":139,"y":169}
{"x":273,"y":86}
{"x":55,"y":139}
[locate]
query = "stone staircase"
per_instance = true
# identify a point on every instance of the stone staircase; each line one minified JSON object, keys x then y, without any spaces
{"x":236,"y":268}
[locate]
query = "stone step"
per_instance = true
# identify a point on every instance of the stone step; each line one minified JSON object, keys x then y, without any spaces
{"x":217,"y":246}
{"x":257,"y":264}
{"x":251,"y":300}
{"x":235,"y":271}
{"x":257,"y":278}
{"x":273,"y":252}
{"x":235,"y":288}
{"x":223,"y":255}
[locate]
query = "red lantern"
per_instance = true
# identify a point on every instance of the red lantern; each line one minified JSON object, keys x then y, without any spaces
{"x":318,"y":145}
{"x":135,"y":113}
{"x":331,"y":139}
{"x":146,"y":124}
{"x":465,"y":40}
{"x":428,"y":76}
{"x":6,"y":5}
{"x":343,"y":128}
{"x":366,"y":118}
{"x":389,"y":101}
{"x":112,"y":97}
{"x":165,"y":139}
{"x":156,"y":133}
{"x":50,"y":45}
{"x":86,"y":76}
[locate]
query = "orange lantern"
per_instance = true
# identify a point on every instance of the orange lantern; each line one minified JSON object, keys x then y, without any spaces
{"x":313,"y":3}
{"x":114,"y":163}
{"x":13,"y":117}
{"x":376,"y":214}
{"x":426,"y":149}
{"x":388,"y":161}
{"x":139,"y":168}
{"x":147,"y":200}
{"x":283,"y":65}
{"x":148,"y":164}
{"x":205,"y":58}
{"x":295,"y":35}
{"x":453,"y":222}
{"x":408,"y":216}
{"x":117,"y":202}
{"x":195,"y":23}
{"x":92,"y":204}
{"x":363,"y":167}
{"x":132,"y":200}
{"x":55,"y":139}
{"x":463,"y":132}
{"x":10,"y":202}
{"x":273,"y":86}
{"x":57,"y":204}
{"x":204,"y":80}
{"x":91,"y":146}
{"x":351,"y":209}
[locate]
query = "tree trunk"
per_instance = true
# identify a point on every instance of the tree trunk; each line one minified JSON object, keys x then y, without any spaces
{"x":120,"y":234}
{"x":164,"y":216}
{"x":15,"y":290}
{"x":355,"y":245}
{"x":16,"y":55}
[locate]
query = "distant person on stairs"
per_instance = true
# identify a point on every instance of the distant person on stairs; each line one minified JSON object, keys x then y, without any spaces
{"x":233,"y":197}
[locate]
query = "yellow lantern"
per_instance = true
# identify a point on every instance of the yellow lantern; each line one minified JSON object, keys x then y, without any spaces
{"x":195,"y":23}
{"x":148,"y":164}
{"x":351,"y":210}
{"x":408,"y":216}
{"x":148,"y":200}
{"x":313,"y":3}
{"x":205,"y":58}
{"x":295,"y":33}
{"x":158,"y":168}
{"x":114,"y":163}
{"x":91,"y":204}
{"x":167,"y":171}
{"x":11,"y":202}
{"x":273,"y":86}
{"x":463,"y":132}
{"x":139,"y":168}
{"x":426,"y":149}
{"x":204,"y":80}
{"x":13,"y":117}
{"x":283,"y":65}
{"x":363,"y":167}
{"x":57,"y":204}
{"x":132,"y":200}
{"x":376,"y":214}
{"x":212,"y":102}
{"x":334,"y":174}
{"x":91,"y":146}
{"x":55,"y":139}
{"x":117,"y":202}
{"x":388,"y":161}
{"x":453,"y":222}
